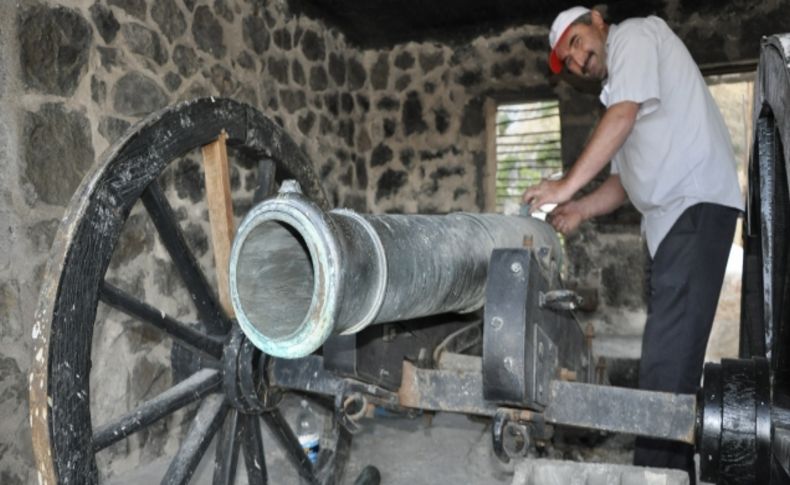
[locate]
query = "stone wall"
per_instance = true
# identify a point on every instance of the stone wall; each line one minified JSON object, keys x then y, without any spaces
{"x":16,"y":300}
{"x":389,"y":130}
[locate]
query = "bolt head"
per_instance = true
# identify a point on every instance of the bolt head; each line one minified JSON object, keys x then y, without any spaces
{"x":290,"y":186}
{"x":516,"y":268}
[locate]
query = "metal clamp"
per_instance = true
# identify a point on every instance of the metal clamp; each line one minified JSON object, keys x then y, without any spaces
{"x":564,"y":300}
{"x":516,"y":432}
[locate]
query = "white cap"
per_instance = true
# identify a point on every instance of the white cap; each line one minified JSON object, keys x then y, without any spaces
{"x":558,"y":29}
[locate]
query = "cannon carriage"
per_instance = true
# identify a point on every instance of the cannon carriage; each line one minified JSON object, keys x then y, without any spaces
{"x":367,"y":312}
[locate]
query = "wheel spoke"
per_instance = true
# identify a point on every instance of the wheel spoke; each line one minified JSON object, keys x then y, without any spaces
{"x":254,"y":458}
{"x":227,"y":455}
{"x":165,"y":221}
{"x":285,"y":435}
{"x":332,"y":459}
{"x":190,"y":337}
{"x":178,"y":396}
{"x":266,"y":180}
{"x":206,"y":423}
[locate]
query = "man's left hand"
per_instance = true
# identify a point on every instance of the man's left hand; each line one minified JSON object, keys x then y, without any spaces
{"x":567,"y":217}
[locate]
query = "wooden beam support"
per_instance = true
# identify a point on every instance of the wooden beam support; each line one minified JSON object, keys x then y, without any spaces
{"x":220,"y":213}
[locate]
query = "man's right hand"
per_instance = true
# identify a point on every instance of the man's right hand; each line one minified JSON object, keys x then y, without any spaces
{"x":567,"y":217}
{"x":546,"y":192}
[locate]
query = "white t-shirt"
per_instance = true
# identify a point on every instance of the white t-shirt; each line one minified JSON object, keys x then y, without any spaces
{"x":679,"y":152}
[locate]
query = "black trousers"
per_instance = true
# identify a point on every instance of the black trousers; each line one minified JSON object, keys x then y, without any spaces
{"x":684,"y":278}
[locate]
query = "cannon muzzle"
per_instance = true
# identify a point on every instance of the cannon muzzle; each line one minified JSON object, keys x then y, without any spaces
{"x":299,"y":274}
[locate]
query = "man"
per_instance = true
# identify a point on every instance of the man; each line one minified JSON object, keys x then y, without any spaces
{"x":671,"y":155}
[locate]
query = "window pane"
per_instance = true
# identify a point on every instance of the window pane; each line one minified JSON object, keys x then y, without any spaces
{"x":527,"y":149}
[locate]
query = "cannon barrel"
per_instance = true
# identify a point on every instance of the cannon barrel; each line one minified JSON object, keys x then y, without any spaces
{"x":299,"y":274}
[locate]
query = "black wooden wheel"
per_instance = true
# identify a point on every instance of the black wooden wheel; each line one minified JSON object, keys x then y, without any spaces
{"x":226,"y":383}
{"x":765,"y":297}
{"x":765,"y":314}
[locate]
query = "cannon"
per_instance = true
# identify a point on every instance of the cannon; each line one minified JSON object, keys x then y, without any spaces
{"x":308,"y":304}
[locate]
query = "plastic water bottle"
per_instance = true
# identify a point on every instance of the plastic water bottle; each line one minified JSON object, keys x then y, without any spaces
{"x":307,"y":431}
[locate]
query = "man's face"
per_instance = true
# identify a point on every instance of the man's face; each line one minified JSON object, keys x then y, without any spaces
{"x":583,"y":49}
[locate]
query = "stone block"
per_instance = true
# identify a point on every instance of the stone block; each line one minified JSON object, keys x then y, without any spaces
{"x":402,"y":83}
{"x":297,"y":72}
{"x":222,"y":80}
{"x":347,"y":103}
{"x":278,"y":69}
{"x":135,"y":8}
{"x":53,"y":48}
{"x":113,"y":128}
{"x":41,"y":234}
{"x":431,"y":60}
{"x":58,"y":151}
{"x":172,"y":81}
{"x":412,"y":119}
{"x":246,"y":61}
{"x":313,"y":46}
{"x":470,"y":78}
{"x":188,"y":180}
{"x":337,"y":68}
{"x":222,"y":9}
{"x":379,"y":73}
{"x":356,"y":75}
{"x":255,"y":34}
{"x":136,"y":95}
{"x":381,"y":155}
{"x":282,"y":39}
{"x":292,"y":100}
{"x":306,"y":123}
{"x":169,"y":18}
{"x":404,"y":60}
{"x":136,"y":239}
{"x":186,"y":60}
{"x":441,"y":120}
{"x":318,"y":78}
{"x":473,"y":120}
{"x":108,"y":56}
{"x":208,"y":33}
{"x":105,"y":22}
{"x":389,"y":183}
{"x":144,"y":42}
{"x":361,"y":171}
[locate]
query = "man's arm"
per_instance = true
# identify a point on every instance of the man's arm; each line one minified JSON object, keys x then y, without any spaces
{"x":608,"y":137}
{"x":609,"y":196}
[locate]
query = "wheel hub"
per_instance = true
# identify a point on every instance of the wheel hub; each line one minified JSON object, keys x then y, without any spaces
{"x":244,"y":375}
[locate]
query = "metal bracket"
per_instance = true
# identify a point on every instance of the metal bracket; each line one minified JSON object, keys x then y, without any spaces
{"x":516,"y":432}
{"x":525,"y":341}
{"x":560,"y":300}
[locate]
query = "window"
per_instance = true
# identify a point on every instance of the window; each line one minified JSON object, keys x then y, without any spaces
{"x":527,"y":149}
{"x":734,"y":94}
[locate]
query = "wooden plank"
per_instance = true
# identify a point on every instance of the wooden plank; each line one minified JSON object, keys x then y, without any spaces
{"x":220,"y":213}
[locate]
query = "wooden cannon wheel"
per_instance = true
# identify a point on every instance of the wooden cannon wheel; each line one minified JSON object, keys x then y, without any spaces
{"x":766,"y":289}
{"x":227,"y":385}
